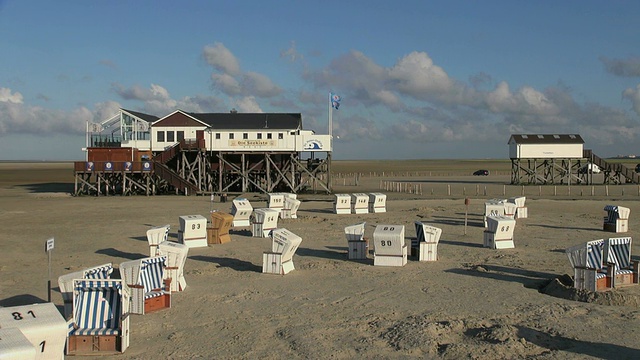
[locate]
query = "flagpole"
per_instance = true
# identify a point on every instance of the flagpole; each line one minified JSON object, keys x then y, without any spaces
{"x":330,"y":117}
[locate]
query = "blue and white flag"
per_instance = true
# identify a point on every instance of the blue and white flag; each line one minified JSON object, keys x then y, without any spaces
{"x":335,"y":100}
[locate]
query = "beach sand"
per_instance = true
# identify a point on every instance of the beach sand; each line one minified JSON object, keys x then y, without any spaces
{"x":473,"y":303}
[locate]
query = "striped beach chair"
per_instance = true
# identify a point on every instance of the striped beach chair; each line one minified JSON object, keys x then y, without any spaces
{"x":100,"y":323}
{"x":618,"y":255}
{"x":617,"y":219}
{"x":65,"y":282}
{"x":155,"y":236}
{"x":149,"y":290}
{"x":425,"y":246}
{"x":587,"y":262}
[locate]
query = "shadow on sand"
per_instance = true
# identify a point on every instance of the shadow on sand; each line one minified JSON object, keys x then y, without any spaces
{"x":235,"y":264}
{"x":67,"y":188}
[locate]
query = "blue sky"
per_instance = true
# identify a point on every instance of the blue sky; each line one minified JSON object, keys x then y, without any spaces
{"x":419,"y":79}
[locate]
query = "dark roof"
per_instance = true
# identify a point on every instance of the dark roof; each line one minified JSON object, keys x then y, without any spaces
{"x":248,"y":121}
{"x":146,"y":117}
{"x":546,"y":139}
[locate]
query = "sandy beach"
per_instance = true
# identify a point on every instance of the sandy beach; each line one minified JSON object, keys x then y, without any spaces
{"x":473,"y":303}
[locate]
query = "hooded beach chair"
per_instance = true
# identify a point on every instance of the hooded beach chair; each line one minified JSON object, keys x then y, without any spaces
{"x":176,"y":254}
{"x":357,"y":244}
{"x":493,"y":207}
{"x":43,"y":326}
{"x":388,"y":245}
{"x":290,"y":209}
{"x":155,"y":236}
{"x":342,"y":204}
{"x":150,"y":291}
{"x":263,"y":221}
{"x":617,"y":251}
{"x":218,"y":230}
{"x":377,"y":203}
{"x":359,"y":203}
{"x":588,"y":267}
{"x":100,"y":323}
{"x":499,"y":232}
{"x":193,"y":231}
{"x":617,"y":219}
{"x":283,"y":246}
{"x":275,"y":201}
{"x":521,"y":210}
{"x":241,"y":210}
{"x":427,"y":239}
{"x":65,"y":282}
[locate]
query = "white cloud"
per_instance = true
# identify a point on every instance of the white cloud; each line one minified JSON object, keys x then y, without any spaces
{"x":633,"y":95}
{"x":259,"y":85}
{"x":7,"y":96}
{"x":292,"y":53}
{"x":247,"y":104}
{"x":416,"y":75}
{"x":629,"y":67}
{"x":221,"y":59}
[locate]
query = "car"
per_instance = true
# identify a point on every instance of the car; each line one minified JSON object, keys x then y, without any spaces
{"x":638,"y":168}
{"x":481,"y":173}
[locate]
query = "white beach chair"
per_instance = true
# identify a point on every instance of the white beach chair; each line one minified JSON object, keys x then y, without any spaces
{"x":263,"y":221}
{"x":377,"y":203}
{"x":155,"y":236}
{"x":427,"y":239}
{"x":493,"y":207}
{"x":290,"y":209}
{"x":65,"y":283}
{"x":283,"y":246}
{"x":499,"y":232}
{"x":15,"y":346}
{"x":43,"y":326}
{"x":342,"y":204}
{"x":100,"y":323}
{"x":359,"y":203}
{"x":587,"y":262}
{"x":617,"y":219}
{"x":193,"y":231}
{"x":388,"y":245}
{"x":176,"y":258}
{"x":357,"y":244}
{"x":241,"y":210}
{"x":617,"y":251}
{"x":150,"y":290}
{"x":275,"y":201}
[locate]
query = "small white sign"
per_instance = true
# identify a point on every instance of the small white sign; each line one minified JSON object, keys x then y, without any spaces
{"x":49,"y":245}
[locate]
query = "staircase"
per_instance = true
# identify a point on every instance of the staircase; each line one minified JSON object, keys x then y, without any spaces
{"x":171,"y":177}
{"x":613,"y":172}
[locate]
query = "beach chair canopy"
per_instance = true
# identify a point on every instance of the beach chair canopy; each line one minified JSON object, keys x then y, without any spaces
{"x":618,"y":251}
{"x":587,"y":255}
{"x":427,"y":233}
{"x":158,"y":234}
{"x":388,"y":239}
{"x":616,"y":212}
{"x":355,"y":232}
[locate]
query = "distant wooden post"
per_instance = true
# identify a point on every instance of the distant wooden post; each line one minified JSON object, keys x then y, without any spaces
{"x":466,"y":212}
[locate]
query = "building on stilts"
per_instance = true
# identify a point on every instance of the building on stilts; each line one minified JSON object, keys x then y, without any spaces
{"x":203,"y":153}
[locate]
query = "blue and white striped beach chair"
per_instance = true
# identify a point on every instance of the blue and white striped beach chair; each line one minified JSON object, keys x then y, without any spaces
{"x":149,"y":291}
{"x":65,"y":282}
{"x":587,"y":262}
{"x":618,"y":255}
{"x":100,"y":322}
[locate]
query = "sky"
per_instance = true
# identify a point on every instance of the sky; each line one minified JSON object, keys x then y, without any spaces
{"x":418,"y":79}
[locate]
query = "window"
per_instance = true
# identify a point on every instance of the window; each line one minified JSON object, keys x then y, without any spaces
{"x":245,"y":136}
{"x":170,"y":136}
{"x":259,"y":136}
{"x":180,"y":135}
{"x":540,"y":136}
{"x":230,"y":136}
{"x":280,"y":136}
{"x":217,"y":136}
{"x":160,"y":137}
{"x":268,"y":135}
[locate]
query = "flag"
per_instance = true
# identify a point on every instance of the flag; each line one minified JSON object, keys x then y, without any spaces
{"x":335,"y":100}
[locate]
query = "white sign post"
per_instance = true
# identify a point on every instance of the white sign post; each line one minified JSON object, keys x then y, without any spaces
{"x":48,"y":248}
